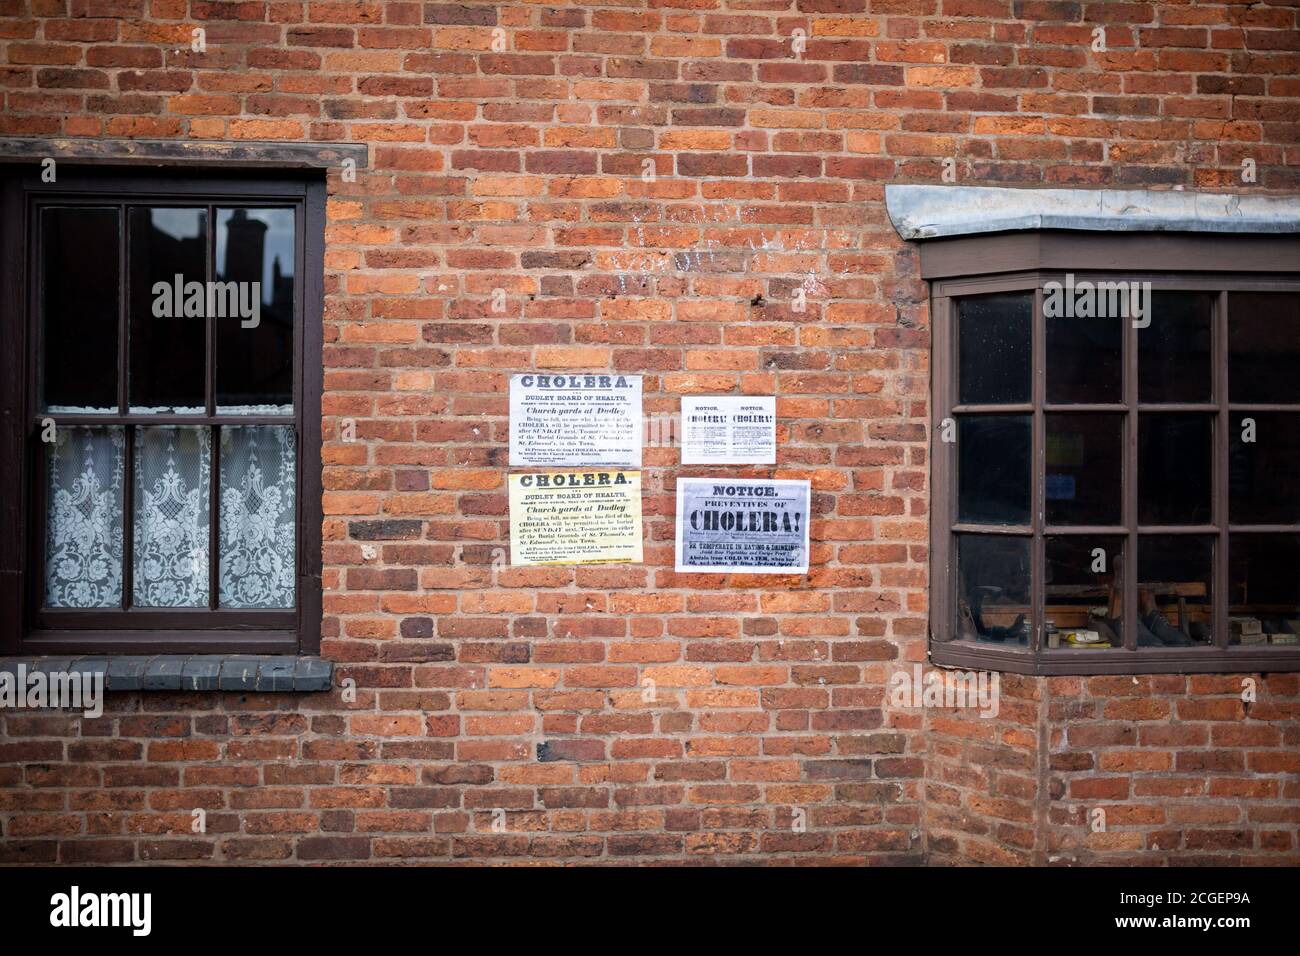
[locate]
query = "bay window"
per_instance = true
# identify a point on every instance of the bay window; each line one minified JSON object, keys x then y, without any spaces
{"x":1116,"y":453}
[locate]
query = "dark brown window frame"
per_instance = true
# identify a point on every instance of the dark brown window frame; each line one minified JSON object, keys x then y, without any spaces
{"x":976,"y":265}
{"x":26,"y":627}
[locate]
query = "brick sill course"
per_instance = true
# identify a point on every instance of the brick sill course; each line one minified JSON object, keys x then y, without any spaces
{"x":281,"y":673}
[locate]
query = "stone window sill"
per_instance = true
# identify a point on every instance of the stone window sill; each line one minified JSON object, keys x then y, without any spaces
{"x":146,"y":152}
{"x":263,"y":674}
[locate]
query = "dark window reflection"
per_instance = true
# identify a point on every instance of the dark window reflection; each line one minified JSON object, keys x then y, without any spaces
{"x":1263,"y":346}
{"x":1084,"y":359}
{"x":993,"y":583}
{"x":1083,"y":591}
{"x":168,"y":332}
{"x":1174,"y":468}
{"x":993,"y":477}
{"x":1264,"y":588}
{"x":80,"y":292}
{"x":1264,"y":468}
{"x":1174,"y":350}
{"x":1175,"y":588}
{"x":1084,"y":464}
{"x":255,"y":354}
{"x":993,"y":348}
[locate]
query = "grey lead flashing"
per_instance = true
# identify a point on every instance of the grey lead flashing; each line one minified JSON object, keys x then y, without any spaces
{"x":932,"y":212}
{"x":148,"y":152}
{"x":198,"y":672}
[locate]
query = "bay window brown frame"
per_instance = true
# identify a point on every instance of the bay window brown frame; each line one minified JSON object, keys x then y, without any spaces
{"x":26,"y":626}
{"x":1025,"y":262}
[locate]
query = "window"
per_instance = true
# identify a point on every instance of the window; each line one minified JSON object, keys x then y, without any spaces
{"x":160,"y":396}
{"x":1116,"y":454}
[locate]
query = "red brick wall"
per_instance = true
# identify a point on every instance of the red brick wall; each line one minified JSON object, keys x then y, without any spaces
{"x":483,"y":687}
{"x":1182,"y":770}
{"x":985,"y":799}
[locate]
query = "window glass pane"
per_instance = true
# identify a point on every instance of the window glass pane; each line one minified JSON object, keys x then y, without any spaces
{"x":170,"y":539}
{"x":993,"y":583}
{"x":258,"y":498}
{"x":255,"y":342}
{"x":80,"y":290}
{"x":1174,"y":350}
{"x":83,"y":528}
{"x":1083,"y":592}
{"x":993,"y":477}
{"x":1175,"y":588}
{"x":1084,"y":460}
{"x":1084,"y":359}
{"x":1264,"y":588}
{"x":993,"y":348}
{"x":168,"y":261}
{"x":1264,"y":468}
{"x":1174,"y":468}
{"x":1263,"y":346}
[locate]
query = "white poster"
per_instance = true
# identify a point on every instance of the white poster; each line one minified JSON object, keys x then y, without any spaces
{"x":728,"y":430}
{"x":587,"y":419}
{"x":748,"y":525}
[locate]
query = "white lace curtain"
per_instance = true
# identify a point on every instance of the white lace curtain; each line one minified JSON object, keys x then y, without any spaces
{"x":83,"y":547}
{"x":172,"y":516}
{"x":173,"y":485}
{"x":257,"y":516}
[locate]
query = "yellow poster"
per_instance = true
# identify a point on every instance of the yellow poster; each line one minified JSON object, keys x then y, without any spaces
{"x":575,"y":517}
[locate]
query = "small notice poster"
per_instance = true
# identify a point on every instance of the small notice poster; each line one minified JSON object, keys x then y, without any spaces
{"x":589,"y":419}
{"x":586,"y":517}
{"x":741,"y":524}
{"x":728,"y":430}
